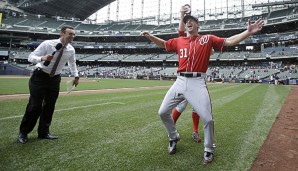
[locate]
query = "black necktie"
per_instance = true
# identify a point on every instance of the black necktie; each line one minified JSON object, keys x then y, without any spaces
{"x":52,"y":74}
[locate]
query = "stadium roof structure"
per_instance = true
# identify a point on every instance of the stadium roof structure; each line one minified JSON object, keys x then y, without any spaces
{"x":63,"y":8}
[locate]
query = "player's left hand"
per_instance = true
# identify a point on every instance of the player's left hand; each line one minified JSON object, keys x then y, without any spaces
{"x":145,"y":33}
{"x":255,"y":27}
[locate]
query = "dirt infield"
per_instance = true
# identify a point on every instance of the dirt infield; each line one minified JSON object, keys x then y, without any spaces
{"x":280,"y":150}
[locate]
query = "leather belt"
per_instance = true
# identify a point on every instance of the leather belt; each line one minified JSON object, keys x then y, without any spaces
{"x":191,"y":74}
{"x":44,"y":73}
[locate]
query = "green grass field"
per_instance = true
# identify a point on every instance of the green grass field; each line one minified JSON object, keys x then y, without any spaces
{"x":122,"y":131}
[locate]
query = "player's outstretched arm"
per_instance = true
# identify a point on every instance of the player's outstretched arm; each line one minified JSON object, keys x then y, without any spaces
{"x":251,"y":29}
{"x":158,"y":41}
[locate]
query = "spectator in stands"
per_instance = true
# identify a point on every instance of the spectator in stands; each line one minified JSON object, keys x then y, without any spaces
{"x":44,"y":83}
{"x":271,"y":79}
{"x":276,"y":78}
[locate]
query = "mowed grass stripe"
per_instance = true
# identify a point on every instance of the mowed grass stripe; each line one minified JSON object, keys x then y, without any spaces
{"x":223,"y":87}
{"x":235,"y":122}
{"x":20,"y":85}
{"x":72,"y":108}
{"x":65,"y":102}
{"x":231,"y":94}
{"x":94,"y":112}
{"x":116,"y":113}
{"x":264,"y":119}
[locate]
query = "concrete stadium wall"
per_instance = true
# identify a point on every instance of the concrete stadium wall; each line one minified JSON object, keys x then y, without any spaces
{"x":7,"y":69}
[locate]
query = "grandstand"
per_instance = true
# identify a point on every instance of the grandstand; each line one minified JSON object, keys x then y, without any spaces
{"x":114,"y":47}
{"x":51,"y":25}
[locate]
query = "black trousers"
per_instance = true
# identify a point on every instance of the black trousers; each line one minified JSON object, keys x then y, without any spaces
{"x":44,"y":91}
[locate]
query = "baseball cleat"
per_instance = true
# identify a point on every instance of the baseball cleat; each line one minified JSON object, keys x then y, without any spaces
{"x":208,"y":157}
{"x":172,"y":144}
{"x":177,"y":136}
{"x":196,"y":137}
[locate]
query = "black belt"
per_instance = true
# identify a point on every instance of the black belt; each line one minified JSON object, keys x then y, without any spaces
{"x":193,"y":74}
{"x":39,"y":70}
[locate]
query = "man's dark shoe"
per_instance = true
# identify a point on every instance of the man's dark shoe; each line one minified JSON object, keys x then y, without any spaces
{"x":22,"y":138}
{"x":48,"y":136}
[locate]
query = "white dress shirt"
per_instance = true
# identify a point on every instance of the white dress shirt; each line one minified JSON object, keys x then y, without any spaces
{"x":47,"y":48}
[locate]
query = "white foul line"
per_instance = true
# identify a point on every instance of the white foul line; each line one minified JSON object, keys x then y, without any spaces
{"x":12,"y":117}
{"x":89,"y":106}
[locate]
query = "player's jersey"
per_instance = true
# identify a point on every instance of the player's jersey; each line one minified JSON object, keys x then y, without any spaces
{"x":194,"y":51}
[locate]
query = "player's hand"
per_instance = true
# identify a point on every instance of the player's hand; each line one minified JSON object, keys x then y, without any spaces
{"x":185,"y":9}
{"x":182,"y":11}
{"x":255,"y":27}
{"x":145,"y":33}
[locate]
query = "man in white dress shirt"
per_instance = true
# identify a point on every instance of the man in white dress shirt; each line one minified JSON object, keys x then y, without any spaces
{"x":44,"y":83}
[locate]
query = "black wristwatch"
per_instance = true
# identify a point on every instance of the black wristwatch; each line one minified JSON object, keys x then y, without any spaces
{"x":77,"y":78}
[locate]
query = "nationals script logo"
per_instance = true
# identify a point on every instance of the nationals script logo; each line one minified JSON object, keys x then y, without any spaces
{"x":204,"y":39}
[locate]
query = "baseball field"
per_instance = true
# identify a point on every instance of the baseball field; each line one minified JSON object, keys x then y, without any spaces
{"x":111,"y":124}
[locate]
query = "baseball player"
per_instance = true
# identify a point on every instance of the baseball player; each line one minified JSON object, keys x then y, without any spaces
{"x":193,"y":56}
{"x":185,"y":10}
{"x":195,"y":118}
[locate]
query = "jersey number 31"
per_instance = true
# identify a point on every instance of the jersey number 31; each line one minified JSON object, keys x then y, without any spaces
{"x":183,"y":53}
